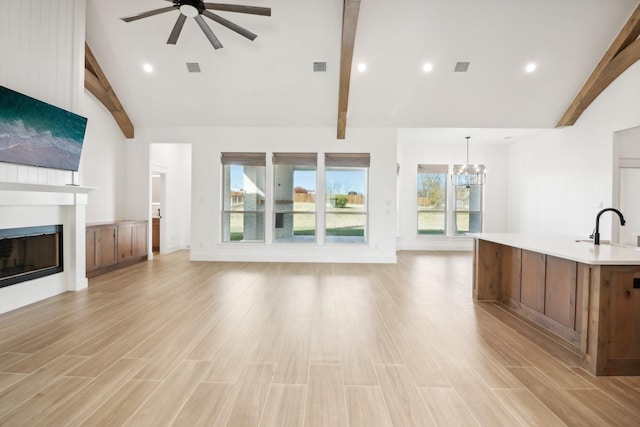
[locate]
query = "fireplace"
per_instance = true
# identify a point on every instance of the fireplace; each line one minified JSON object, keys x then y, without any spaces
{"x":30,"y":253}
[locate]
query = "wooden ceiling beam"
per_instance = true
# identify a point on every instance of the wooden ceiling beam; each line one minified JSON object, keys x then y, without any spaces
{"x":621,"y":55}
{"x":97,"y":83}
{"x":349,"y":24}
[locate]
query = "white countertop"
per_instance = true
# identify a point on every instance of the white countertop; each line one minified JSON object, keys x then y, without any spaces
{"x":566,"y":247}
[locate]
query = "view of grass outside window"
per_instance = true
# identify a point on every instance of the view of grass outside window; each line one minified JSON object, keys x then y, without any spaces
{"x":432,"y":199}
{"x":243,"y":197}
{"x":294,"y":197}
{"x":467,"y":203}
{"x":346,"y":192}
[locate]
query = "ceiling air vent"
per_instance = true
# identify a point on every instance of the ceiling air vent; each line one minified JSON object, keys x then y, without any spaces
{"x":319,"y":67}
{"x":193,"y":67}
{"x":461,"y":67}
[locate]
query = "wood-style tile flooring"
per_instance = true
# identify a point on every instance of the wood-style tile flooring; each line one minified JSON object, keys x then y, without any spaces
{"x":177,"y":343}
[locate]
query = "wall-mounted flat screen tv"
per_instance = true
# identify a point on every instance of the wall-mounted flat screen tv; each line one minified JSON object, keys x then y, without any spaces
{"x":35,"y":133}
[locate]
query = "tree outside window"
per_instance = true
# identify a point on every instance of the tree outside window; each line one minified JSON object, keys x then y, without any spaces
{"x":432,"y":199}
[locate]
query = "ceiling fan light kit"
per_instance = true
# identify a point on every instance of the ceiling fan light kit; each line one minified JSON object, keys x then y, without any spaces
{"x":196,"y":9}
{"x":189,"y":11}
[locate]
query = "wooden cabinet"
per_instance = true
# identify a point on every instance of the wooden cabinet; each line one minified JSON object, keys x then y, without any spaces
{"x":612,"y":338}
{"x":140,"y":239}
{"x":115,"y":245}
{"x":106,"y":243}
{"x":155,"y":235}
{"x":125,"y":242}
{"x":594,"y":307}
{"x":533,"y":280}
{"x":542,"y":288}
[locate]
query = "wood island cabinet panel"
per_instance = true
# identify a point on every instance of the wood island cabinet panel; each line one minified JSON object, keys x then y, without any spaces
{"x":510,"y":277}
{"x":533,"y":280}
{"x":624,"y":321}
{"x":486,"y":270}
{"x":560,"y":290}
{"x":582,"y":283}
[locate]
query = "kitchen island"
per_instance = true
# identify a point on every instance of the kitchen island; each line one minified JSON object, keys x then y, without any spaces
{"x":586,"y":294}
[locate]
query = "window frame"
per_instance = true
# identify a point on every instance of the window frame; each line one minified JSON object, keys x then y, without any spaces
{"x":346,"y":162}
{"x":433,"y":169}
{"x":455,"y":210}
{"x":298,"y":161}
{"x":229,"y":159}
{"x":451,"y":200}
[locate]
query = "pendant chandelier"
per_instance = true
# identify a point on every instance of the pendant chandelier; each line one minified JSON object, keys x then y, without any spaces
{"x":468,"y":174}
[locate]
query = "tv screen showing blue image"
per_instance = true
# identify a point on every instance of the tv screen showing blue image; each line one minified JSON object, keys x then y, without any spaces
{"x":35,"y":133}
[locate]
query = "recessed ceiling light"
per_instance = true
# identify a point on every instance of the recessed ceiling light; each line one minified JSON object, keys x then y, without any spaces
{"x":531,"y":67}
{"x":362,"y":67}
{"x":148,"y":68}
{"x":427,"y":67}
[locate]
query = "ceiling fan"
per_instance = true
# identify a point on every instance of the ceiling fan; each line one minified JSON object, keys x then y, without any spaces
{"x":195,"y":9}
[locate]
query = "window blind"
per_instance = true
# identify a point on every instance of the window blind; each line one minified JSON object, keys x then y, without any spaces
{"x":356,"y":160}
{"x":244,"y":159}
{"x":295,"y":159}
{"x":433,"y":169}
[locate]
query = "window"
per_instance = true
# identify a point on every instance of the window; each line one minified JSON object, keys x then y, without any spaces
{"x":467,"y":201}
{"x":346,"y":192}
{"x":243,"y":189}
{"x":294,"y":197}
{"x":432,"y":199}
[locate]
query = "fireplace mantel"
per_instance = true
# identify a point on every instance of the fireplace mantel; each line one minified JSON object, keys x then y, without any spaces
{"x":32,"y":194}
{"x":24,"y":204}
{"x":44,"y":188}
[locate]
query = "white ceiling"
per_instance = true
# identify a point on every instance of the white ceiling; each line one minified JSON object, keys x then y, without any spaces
{"x":270,"y":82}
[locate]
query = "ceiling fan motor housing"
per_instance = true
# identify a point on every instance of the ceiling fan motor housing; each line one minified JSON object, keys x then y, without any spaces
{"x":192,"y":9}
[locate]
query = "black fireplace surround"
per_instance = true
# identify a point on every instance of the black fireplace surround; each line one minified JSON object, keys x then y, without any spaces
{"x":30,"y":253}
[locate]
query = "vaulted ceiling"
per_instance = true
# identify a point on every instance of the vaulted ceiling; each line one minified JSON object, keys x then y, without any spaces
{"x":271,"y":81}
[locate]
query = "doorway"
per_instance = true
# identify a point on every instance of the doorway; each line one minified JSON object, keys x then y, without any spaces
{"x":158,"y":189}
{"x":626,"y":180}
{"x":170,"y":188}
{"x":629,"y":203}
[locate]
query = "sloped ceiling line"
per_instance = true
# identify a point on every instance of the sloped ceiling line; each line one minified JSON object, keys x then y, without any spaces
{"x":97,"y":83}
{"x":624,"y":52}
{"x":349,"y":25}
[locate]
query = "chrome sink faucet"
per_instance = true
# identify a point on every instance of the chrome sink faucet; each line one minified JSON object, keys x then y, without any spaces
{"x":596,"y":233}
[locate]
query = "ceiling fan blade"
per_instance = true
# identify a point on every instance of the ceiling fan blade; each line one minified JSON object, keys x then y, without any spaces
{"x":175,"y":33}
{"x":207,"y":31}
{"x":230,"y":25}
{"x":148,"y":14}
{"x":253,"y":10}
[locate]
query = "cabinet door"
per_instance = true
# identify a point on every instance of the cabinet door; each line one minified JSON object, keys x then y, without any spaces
{"x":125,"y":242}
{"x":624,"y":316}
{"x":560,"y":290}
{"x":106,"y":245}
{"x":91,"y":250}
{"x":533,"y":276}
{"x":155,"y":236}
{"x":140,"y":239}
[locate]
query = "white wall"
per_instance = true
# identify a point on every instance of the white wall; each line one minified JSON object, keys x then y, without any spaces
{"x":208,"y":143}
{"x":559,"y":181}
{"x":102,"y":164}
{"x":175,"y":161}
{"x":42,"y":51}
{"x":417,"y":146}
